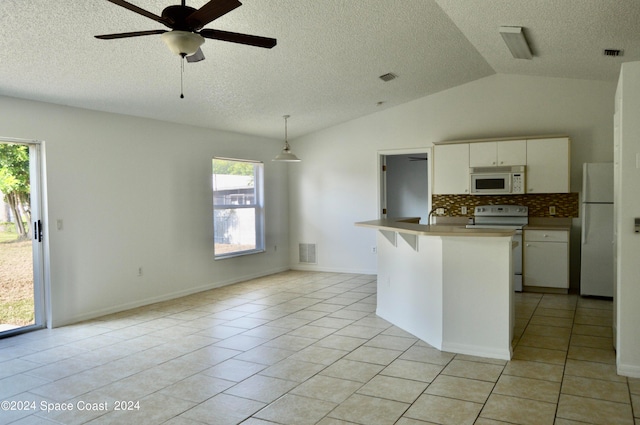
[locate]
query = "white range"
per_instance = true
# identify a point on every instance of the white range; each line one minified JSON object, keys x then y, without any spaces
{"x":505,"y":217}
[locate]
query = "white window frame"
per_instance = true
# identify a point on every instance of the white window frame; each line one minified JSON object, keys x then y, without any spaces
{"x":257,"y":206}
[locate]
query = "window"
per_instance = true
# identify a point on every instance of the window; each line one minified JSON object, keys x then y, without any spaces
{"x":238,"y":210}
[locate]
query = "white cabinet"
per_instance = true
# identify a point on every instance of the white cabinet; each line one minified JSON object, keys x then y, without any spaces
{"x":451,"y":169}
{"x":546,"y":258}
{"x":548,"y":165}
{"x":546,"y":160}
{"x":504,"y":153}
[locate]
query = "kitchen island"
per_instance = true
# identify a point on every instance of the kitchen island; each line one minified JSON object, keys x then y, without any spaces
{"x":450,"y":286}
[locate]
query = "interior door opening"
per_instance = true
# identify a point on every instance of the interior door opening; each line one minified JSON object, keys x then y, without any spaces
{"x":21,"y":234}
{"x":405,"y":184}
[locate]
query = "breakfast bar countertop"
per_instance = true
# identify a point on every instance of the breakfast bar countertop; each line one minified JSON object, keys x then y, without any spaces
{"x":410,"y":226}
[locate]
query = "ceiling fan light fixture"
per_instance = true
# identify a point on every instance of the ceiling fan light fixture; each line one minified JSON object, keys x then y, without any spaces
{"x":286,"y":155}
{"x":516,"y":42}
{"x":182,"y":43}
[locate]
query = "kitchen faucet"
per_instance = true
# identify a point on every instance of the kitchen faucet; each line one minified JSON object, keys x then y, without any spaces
{"x":433,"y":210}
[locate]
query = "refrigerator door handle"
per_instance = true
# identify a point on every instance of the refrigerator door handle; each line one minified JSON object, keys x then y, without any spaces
{"x":585,"y":230}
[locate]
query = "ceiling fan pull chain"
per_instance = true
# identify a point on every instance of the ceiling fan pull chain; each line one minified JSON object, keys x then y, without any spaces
{"x":182,"y":78}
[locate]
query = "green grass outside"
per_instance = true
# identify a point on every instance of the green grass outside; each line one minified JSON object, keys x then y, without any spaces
{"x":16,"y":281}
{"x":8,"y":237}
{"x":17,"y":312}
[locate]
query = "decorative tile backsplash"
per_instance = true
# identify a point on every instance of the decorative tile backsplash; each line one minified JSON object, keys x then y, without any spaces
{"x":566,"y":204}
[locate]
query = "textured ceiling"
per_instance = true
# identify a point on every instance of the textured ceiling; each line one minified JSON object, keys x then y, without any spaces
{"x":324,"y":69}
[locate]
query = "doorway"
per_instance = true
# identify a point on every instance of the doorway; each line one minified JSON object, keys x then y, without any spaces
{"x":405,"y":183}
{"x":21,"y":237}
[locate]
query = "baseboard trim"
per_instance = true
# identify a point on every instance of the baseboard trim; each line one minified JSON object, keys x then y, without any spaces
{"x":479,"y":351}
{"x":631,"y":371}
{"x":164,"y":297}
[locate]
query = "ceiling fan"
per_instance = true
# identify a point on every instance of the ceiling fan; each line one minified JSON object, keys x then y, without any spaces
{"x":186,"y":24}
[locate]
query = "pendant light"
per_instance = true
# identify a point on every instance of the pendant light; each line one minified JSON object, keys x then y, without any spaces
{"x":286,"y":155}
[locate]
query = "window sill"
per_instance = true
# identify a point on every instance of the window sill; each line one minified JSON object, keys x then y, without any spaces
{"x":238,"y":254}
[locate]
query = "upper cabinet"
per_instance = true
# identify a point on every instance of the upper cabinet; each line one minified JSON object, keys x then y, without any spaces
{"x":546,"y":160}
{"x":548,"y":165}
{"x":451,"y":169}
{"x":503,"y":153}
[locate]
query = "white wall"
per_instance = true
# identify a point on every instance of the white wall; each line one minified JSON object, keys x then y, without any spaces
{"x":627,"y":208}
{"x":336,"y":184}
{"x":137,"y":193}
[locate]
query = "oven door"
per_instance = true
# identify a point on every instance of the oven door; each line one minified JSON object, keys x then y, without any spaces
{"x":490,"y":184}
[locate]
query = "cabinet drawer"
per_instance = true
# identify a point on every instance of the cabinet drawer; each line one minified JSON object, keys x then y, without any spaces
{"x":546,"y":236}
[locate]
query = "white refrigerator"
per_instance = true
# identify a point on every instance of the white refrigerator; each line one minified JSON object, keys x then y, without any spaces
{"x":596,"y":265}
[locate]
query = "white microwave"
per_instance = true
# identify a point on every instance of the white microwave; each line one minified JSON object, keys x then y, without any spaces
{"x":497,"y":180}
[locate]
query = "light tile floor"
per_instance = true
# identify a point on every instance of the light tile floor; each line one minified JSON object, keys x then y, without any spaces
{"x":307,"y":348}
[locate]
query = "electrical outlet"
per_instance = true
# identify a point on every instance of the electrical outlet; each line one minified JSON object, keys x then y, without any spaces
{"x":463,"y":210}
{"x":552,"y":210}
{"x":440,"y":211}
{"x":139,"y":271}
{"x":374,"y":249}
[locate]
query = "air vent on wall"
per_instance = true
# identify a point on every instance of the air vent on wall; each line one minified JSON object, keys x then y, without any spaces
{"x":388,"y":77}
{"x":613,"y":52}
{"x":307,"y":253}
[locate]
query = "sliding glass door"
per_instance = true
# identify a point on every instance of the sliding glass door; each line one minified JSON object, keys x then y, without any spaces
{"x":21,"y":237}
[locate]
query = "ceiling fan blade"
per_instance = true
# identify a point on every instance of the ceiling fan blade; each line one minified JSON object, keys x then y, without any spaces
{"x":196,"y":57}
{"x":211,"y":11}
{"x":234,"y":37}
{"x":128,"y":34}
{"x":138,"y":10}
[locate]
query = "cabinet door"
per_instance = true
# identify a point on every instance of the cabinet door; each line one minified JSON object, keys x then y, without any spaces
{"x":548,"y":165}
{"x":512,"y":152}
{"x":546,"y":264}
{"x":451,"y":169}
{"x":483,"y":154}
{"x":503,"y":153}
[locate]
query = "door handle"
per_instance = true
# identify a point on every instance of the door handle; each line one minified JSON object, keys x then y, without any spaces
{"x":585,"y":231}
{"x":37,"y":230}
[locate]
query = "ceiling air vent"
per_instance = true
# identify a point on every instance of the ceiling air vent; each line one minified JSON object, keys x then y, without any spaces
{"x":388,"y":77}
{"x":612,"y":52}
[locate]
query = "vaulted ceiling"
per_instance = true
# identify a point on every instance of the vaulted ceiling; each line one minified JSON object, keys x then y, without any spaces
{"x":325,"y":68}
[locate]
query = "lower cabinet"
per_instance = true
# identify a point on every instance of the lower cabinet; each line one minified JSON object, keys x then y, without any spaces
{"x":546,"y":258}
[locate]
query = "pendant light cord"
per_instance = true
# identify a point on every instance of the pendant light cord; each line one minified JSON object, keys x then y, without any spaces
{"x":286,"y":137}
